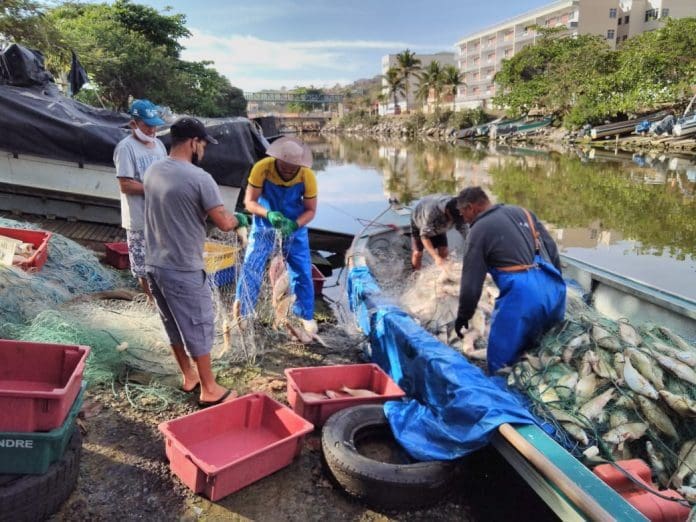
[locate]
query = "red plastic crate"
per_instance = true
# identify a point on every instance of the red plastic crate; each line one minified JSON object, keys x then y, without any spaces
{"x":222,"y":449}
{"x":38,"y":384}
{"x":318,"y":379}
{"x":653,"y":507}
{"x":318,"y":279}
{"x":38,"y":238}
{"x":117,"y":255}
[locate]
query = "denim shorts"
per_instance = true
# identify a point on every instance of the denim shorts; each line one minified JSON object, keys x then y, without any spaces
{"x":185,"y":304}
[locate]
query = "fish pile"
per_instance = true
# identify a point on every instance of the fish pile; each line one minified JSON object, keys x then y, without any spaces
{"x":432,"y":297}
{"x":341,"y":393}
{"x":620,"y":392}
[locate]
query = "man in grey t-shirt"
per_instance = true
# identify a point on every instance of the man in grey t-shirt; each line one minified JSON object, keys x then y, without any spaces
{"x":179,"y":196}
{"x":132,"y":156}
{"x":432,"y":217}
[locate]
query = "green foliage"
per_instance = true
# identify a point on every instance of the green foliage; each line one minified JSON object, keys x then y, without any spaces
{"x":415,"y":122}
{"x":358,"y":117}
{"x":304,"y":106}
{"x":24,"y":22}
{"x":409,"y":66}
{"x":467,"y":118}
{"x":431,"y":80}
{"x":396,"y":85}
{"x":583,"y":81}
{"x":131,"y":50}
{"x":439,"y":117}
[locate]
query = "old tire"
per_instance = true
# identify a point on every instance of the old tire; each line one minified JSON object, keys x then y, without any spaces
{"x":387,"y":485}
{"x":28,"y":498}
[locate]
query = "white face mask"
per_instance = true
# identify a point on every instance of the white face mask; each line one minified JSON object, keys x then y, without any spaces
{"x":143,"y":137}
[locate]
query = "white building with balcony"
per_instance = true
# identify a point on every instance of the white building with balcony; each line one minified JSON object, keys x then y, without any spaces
{"x":480,"y":55}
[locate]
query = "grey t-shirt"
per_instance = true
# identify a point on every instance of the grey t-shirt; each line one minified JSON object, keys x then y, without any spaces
{"x":178,"y":196}
{"x":132,"y":158}
{"x":430,"y":219}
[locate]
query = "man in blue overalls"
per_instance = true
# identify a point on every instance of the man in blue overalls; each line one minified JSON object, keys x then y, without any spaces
{"x":281,"y":196}
{"x":512,"y":245}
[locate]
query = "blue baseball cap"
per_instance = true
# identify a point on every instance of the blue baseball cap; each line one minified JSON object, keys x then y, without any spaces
{"x":146,"y":111}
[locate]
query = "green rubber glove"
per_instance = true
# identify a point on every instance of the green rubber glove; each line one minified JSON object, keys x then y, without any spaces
{"x":288,"y":227}
{"x":276,"y":218}
{"x":242,"y":220}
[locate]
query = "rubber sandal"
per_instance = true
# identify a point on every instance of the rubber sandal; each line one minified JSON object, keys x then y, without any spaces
{"x":196,"y":388}
{"x":207,"y":404}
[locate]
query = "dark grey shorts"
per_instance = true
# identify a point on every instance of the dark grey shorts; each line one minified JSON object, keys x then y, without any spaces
{"x":185,"y":304}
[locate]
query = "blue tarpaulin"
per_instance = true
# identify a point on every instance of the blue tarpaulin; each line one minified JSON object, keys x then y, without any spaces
{"x":453,"y":407}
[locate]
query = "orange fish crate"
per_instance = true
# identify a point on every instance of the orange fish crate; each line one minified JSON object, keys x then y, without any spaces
{"x":37,"y":238}
{"x":307,"y":385}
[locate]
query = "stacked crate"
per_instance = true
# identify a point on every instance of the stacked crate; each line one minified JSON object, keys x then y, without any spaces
{"x":41,"y":392}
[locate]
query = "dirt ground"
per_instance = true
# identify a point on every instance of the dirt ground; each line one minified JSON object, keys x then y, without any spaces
{"x":125,"y":475}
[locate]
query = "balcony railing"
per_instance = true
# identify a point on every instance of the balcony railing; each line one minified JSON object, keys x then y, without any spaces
{"x":472,"y":67}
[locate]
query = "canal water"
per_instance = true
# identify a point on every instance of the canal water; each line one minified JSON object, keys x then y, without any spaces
{"x":634,"y":214}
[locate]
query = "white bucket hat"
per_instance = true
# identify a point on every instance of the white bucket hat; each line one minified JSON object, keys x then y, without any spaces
{"x":291,"y":150}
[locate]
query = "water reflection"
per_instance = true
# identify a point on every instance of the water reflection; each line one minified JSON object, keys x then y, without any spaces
{"x":603,"y":206}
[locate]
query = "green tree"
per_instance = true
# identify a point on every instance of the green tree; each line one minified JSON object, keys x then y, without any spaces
{"x":431,"y":83}
{"x":304,"y":106}
{"x":395,"y":85}
{"x":24,"y":22}
{"x":409,"y":65}
{"x":452,"y":78}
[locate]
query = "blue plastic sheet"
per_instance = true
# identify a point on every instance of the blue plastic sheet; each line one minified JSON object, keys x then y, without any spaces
{"x":453,"y":407}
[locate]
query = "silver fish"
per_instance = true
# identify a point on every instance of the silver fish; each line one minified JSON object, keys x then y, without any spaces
{"x":566,"y":384}
{"x":628,"y":334}
{"x":683,"y":405}
{"x":657,"y":462}
{"x":625,"y":432}
{"x":619,"y":360}
{"x":637,"y":382}
{"x":689,"y":493}
{"x":647,"y":367}
{"x":601,"y":366}
{"x":617,"y":418}
{"x":573,"y":344}
{"x":676,"y":339}
{"x":656,"y":417}
{"x":605,"y":339}
{"x":585,"y":388}
{"x":576,"y":432}
{"x":687,"y":357}
{"x":594,"y":408}
{"x":311,"y":396}
{"x":687,"y":462}
{"x":679,"y":369}
{"x":353,"y":392}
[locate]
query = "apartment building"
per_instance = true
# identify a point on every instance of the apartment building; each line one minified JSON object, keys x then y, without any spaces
{"x":388,"y":61}
{"x":480,"y":55}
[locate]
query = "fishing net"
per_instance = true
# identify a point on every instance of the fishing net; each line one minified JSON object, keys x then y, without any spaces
{"x":583,"y":359}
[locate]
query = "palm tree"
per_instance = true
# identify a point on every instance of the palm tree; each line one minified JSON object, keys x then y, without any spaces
{"x":409,"y":66}
{"x":431,"y":81}
{"x":452,"y":78}
{"x":395,"y":84}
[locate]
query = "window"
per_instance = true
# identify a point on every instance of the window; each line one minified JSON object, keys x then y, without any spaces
{"x":623,"y":39}
{"x":610,"y":34}
{"x":626,"y":18}
{"x":619,"y":21}
{"x":508,"y":52}
{"x":651,"y":14}
{"x":612,"y":12}
{"x":665,"y":13}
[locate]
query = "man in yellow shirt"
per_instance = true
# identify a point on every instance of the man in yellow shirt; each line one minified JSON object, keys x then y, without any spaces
{"x":282,"y":197}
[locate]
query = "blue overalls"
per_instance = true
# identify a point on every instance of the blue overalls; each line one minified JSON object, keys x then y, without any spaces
{"x":288,"y":199}
{"x":532,"y":299}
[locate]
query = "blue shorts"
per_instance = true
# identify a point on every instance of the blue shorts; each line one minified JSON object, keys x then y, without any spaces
{"x":185,"y":304}
{"x":136,"y":252}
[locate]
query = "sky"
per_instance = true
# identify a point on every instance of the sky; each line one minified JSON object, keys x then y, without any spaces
{"x":260,"y":44}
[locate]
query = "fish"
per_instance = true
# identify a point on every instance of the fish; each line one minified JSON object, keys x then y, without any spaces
{"x":576,"y":432}
{"x":657,"y":462}
{"x":585,"y":388}
{"x":687,"y":463}
{"x":565,"y":417}
{"x":657,"y":417}
{"x":689,"y":493}
{"x":547,"y":393}
{"x":624,"y":433}
{"x":605,"y":339}
{"x":625,"y":401}
{"x":617,"y":418}
{"x":594,"y":408}
{"x":683,"y":405}
{"x":619,"y":360}
{"x":687,"y":357}
{"x":358,"y":392}
{"x":628,"y":334}
{"x":637,"y":382}
{"x":243,"y":235}
{"x":679,"y":369}
{"x":646,"y":366}
{"x":572,"y":345}
{"x":676,"y":339}
{"x":470,"y":337}
{"x":479,"y":355}
{"x":534,"y":361}
{"x":333,"y":394}
{"x":601,"y":366}
{"x":566,"y":384}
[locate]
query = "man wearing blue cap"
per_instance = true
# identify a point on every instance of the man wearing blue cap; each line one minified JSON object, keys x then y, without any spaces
{"x":132,"y":156}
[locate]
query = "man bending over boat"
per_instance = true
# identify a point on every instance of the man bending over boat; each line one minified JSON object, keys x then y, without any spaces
{"x":282,"y":197}
{"x":132,"y":156}
{"x":179,"y":196}
{"x":433,"y":216}
{"x":512,"y":245}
